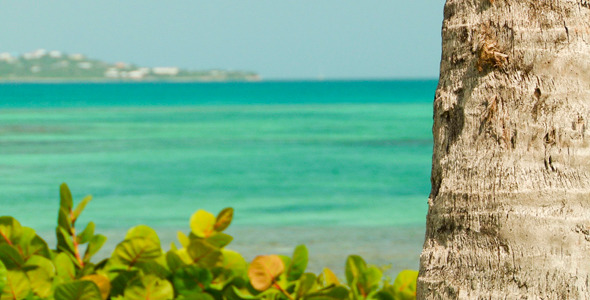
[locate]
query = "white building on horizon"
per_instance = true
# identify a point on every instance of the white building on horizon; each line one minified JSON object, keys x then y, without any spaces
{"x":55,"y":54}
{"x":85,"y":65}
{"x":169,"y":71}
{"x":7,"y":57}
{"x":112,"y":73}
{"x":77,"y":56}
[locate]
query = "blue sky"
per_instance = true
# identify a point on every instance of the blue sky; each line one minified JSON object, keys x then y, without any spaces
{"x":279,"y":39}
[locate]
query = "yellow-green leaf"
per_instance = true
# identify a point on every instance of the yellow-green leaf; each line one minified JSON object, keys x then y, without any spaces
{"x":130,"y":252}
{"x":41,"y":275}
{"x":77,"y":290}
{"x":143,"y":231}
{"x":80,"y":207}
{"x":10,"y":230}
{"x":17,"y":285}
{"x":183,"y":239}
{"x":102,"y":282}
{"x":149,"y":288}
{"x":202,"y":223}
{"x":404,"y":286}
{"x":330,"y":278}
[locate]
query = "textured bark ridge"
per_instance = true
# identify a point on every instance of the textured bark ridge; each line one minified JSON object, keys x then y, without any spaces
{"x":509,"y":214}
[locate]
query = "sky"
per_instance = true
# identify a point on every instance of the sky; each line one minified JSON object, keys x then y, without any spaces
{"x":278,"y":39}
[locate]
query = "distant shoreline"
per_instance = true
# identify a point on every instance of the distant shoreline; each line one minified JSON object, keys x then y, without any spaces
{"x":105,"y":80}
{"x":187,"y":80}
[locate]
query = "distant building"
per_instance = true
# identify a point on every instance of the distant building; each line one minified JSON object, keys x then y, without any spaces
{"x":35,"y":54}
{"x":77,"y":56}
{"x":111,"y":73}
{"x":136,"y":74}
{"x":85,"y":65}
{"x":40,"y":53}
{"x":168,"y":71}
{"x":145,"y":71}
{"x":5,"y":56}
{"x":55,"y":54}
{"x":29,"y":56}
{"x":121,"y":65}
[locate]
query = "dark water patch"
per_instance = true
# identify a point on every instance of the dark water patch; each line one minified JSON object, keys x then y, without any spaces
{"x":30,"y":95}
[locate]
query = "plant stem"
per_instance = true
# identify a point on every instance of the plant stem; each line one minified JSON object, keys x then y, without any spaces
{"x":75,"y":242}
{"x":278,"y":287}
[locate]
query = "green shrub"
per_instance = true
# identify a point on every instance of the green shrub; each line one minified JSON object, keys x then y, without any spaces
{"x":200,"y":268}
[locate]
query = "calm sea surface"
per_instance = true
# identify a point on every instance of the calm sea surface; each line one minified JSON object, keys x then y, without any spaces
{"x":343,"y":167}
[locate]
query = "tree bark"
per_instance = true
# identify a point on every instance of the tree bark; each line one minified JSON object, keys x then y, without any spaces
{"x":509,"y":209}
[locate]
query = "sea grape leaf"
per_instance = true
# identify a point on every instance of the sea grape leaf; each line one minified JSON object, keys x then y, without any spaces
{"x":385,"y":294}
{"x":329,"y":277}
{"x":219,"y":240}
{"x":196,"y":296}
{"x":355,"y":266}
{"x":192,"y":279}
{"x":153,"y":267}
{"x":10,"y":230}
{"x":264,"y":270}
{"x":286,"y":260}
{"x":203,"y":254}
{"x":371,"y":279}
{"x":78,"y":290}
{"x":86,"y":234}
{"x":183,"y":254}
{"x":132,"y":251}
{"x":64,"y":241}
{"x":234,"y":293}
{"x":143,"y":231}
{"x":149,"y":287}
{"x":223,"y":219}
{"x":102,"y":282}
{"x":64,"y":267}
{"x":24,"y":239}
{"x":298,"y":263}
{"x":10,"y":257}
{"x":94,"y":245}
{"x":404,"y":286}
{"x":306,"y":284}
{"x":63,"y":220}
{"x":202,"y":223}
{"x":335,"y":293}
{"x":174,"y":261}
{"x":183,"y":239}
{"x":2,"y":276}
{"x":66,"y":201}
{"x":41,"y":276}
{"x":17,"y":285}
{"x":35,"y":245}
{"x":119,"y":283}
{"x":234,"y":262}
{"x":80,"y":207}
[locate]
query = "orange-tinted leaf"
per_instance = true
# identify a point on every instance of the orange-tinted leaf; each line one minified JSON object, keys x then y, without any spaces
{"x":223,"y":219}
{"x":264,"y":270}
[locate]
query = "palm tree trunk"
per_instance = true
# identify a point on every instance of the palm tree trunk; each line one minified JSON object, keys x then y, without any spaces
{"x":509,"y":210}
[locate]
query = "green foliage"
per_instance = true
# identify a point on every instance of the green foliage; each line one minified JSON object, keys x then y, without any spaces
{"x":200,"y":268}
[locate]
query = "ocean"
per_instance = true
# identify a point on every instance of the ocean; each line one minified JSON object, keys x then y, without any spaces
{"x":341,"y":166}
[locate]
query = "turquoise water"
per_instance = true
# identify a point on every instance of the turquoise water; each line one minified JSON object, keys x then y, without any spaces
{"x":321,"y":157}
